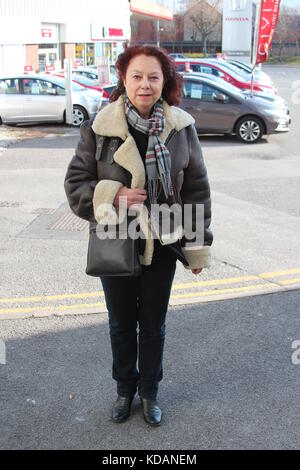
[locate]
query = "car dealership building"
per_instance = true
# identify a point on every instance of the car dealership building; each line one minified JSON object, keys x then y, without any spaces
{"x":36,"y":35}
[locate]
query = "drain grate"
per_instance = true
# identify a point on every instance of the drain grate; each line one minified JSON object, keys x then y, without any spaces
{"x":69,"y":222}
{"x":11,"y":203}
{"x":58,"y":224}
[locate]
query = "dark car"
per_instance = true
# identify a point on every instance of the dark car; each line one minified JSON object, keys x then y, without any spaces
{"x":221,"y":108}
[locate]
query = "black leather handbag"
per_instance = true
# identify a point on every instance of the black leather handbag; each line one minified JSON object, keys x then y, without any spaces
{"x":112,"y":257}
{"x":118,"y":256}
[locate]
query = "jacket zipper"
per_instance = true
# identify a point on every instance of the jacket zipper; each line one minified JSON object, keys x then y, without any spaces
{"x":173,"y":131}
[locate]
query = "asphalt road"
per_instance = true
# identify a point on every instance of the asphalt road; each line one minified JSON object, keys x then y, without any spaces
{"x":229,"y":381}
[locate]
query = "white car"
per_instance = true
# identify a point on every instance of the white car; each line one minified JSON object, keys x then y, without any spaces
{"x":177,"y":55}
{"x":41,"y":98}
{"x":92,"y":73}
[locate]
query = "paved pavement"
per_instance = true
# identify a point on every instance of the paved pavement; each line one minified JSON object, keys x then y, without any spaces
{"x":256,"y":224}
{"x":229,"y":381}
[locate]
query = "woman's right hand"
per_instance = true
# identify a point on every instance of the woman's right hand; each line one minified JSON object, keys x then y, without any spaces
{"x":134,"y":197}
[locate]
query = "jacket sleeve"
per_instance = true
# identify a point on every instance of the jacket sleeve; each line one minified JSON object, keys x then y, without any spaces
{"x":81,"y":176}
{"x":89,"y":197}
{"x":195,"y":192}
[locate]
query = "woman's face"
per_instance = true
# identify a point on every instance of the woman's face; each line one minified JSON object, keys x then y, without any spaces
{"x":144,"y":83}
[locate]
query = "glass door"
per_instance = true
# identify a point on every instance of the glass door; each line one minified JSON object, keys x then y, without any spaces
{"x":47,"y":57}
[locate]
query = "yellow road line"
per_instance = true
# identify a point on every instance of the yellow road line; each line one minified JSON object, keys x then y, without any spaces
{"x":280,"y":273}
{"x":40,"y":298}
{"x":290,"y":281}
{"x":221,"y":291}
{"x":60,"y":308}
{"x":173,"y":297}
{"x":229,"y":280}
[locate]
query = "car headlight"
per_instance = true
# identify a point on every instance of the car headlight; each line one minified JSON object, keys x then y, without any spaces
{"x":277,"y":114}
{"x":281,"y":120}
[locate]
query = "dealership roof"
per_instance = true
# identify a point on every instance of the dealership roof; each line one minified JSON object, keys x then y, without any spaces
{"x":143,"y":7}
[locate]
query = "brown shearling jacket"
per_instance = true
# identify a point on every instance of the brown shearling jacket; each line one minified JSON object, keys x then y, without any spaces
{"x":89,"y":183}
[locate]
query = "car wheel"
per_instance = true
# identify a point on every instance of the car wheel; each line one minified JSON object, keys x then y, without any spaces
{"x":249,"y":129}
{"x":79,"y":115}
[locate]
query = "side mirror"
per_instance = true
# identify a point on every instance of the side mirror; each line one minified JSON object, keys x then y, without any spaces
{"x":219,"y":97}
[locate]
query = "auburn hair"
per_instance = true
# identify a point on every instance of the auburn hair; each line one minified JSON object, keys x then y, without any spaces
{"x":173,"y":81}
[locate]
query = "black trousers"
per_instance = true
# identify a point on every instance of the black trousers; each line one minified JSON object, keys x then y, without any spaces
{"x":141,"y":301}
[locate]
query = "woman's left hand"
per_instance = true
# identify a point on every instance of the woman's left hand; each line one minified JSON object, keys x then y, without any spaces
{"x":196,"y":271}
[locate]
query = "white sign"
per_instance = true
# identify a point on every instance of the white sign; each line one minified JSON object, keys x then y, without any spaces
{"x":196,"y":91}
{"x":237,"y":27}
{"x":103,"y":70}
{"x":68,"y":89}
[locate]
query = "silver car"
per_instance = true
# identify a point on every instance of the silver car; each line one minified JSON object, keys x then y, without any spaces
{"x":41,"y":98}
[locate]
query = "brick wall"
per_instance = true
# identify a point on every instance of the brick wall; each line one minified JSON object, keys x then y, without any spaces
{"x":68,"y":52}
{"x":32,"y":56}
{"x":146,"y":31}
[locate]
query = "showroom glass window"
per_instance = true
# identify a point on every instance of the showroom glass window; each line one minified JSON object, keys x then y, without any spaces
{"x":90,"y":54}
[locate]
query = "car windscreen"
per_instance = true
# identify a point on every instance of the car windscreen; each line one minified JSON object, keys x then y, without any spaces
{"x":85,"y":80}
{"x":75,"y":86}
{"x":237,"y":74}
{"x":240,"y":65}
{"x":233,"y":68}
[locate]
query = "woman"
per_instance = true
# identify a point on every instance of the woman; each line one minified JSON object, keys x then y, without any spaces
{"x":152,"y":156}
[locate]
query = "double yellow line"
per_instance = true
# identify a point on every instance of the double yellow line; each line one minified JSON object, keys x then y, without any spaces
{"x":268,"y":285}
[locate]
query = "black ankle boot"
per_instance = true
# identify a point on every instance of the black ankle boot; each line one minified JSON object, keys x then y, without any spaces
{"x":152,"y":412}
{"x":121,"y":408}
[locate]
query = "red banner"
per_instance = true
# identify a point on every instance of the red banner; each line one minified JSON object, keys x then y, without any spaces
{"x":115,"y":32}
{"x":268,"y":21}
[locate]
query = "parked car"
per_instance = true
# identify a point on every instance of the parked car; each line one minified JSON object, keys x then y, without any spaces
{"x":245,"y":70}
{"x":243,"y":66}
{"x":41,"y":98}
{"x":92,"y":73}
{"x":220,"y":108}
{"x":267,"y":96}
{"x":216,"y":68}
{"x":177,"y":55}
{"x":106,"y":90}
{"x":81,"y":80}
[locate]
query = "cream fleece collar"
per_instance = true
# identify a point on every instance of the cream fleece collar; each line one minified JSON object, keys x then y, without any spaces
{"x":111,"y":120}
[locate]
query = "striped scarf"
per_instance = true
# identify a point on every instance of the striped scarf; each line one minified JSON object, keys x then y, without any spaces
{"x":157,"y":160}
